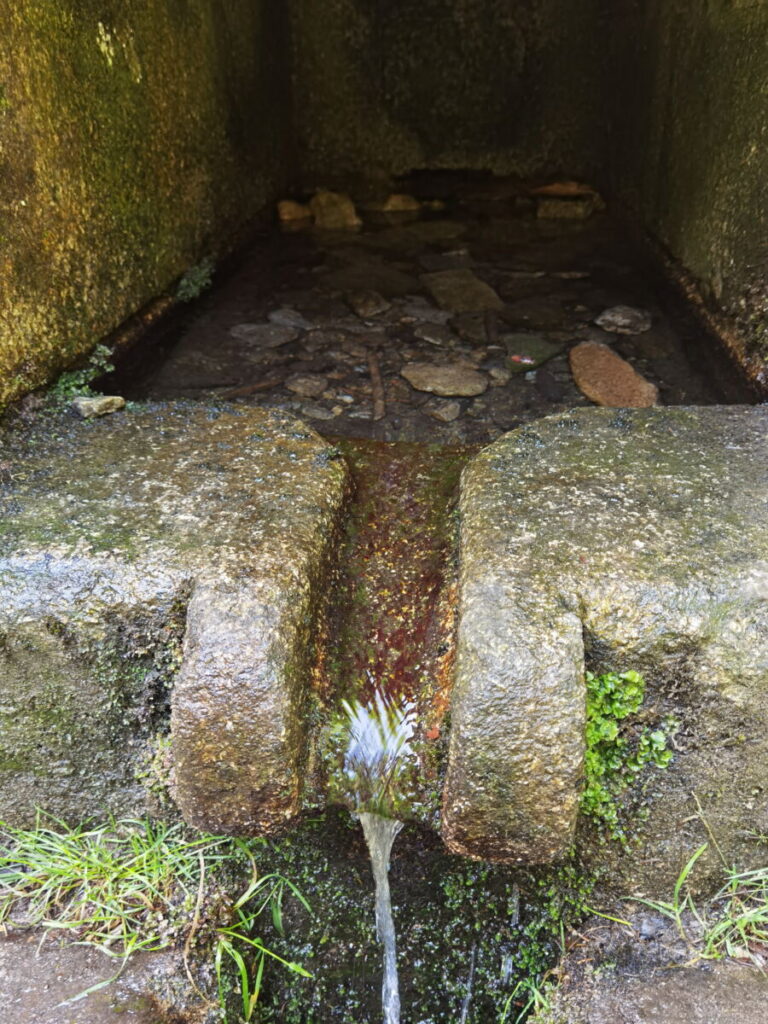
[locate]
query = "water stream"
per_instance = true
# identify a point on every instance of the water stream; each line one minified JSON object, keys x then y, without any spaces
{"x":380,"y":834}
{"x":389,"y":656}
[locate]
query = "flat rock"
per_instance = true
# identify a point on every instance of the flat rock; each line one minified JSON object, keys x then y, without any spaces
{"x":334,"y":211}
{"x":367,"y":303}
{"x":461,"y":291}
{"x":527,"y":351}
{"x":607,"y":379}
{"x":436,"y":334}
{"x":264,"y":335}
{"x":624,"y":320}
{"x":447,"y":380}
{"x":173,"y":551}
{"x":289,"y":318}
{"x":307,"y":385}
{"x":397,"y":202}
{"x":630,"y":539}
{"x":97,"y":405}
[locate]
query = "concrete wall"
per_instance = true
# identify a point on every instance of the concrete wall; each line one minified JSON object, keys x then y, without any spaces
{"x":393,"y":85}
{"x":135,"y":137}
{"x":689,"y":142}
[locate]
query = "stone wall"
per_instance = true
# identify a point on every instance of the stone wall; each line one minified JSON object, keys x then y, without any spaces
{"x":135,"y":136}
{"x":391,"y":85}
{"x":689,"y":149}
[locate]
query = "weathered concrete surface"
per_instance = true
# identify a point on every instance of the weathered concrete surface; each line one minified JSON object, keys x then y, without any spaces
{"x":114,"y":532}
{"x":124,"y":160}
{"x":636,"y":539}
{"x":688,"y":108}
{"x":478,"y":84}
{"x":642,"y":974}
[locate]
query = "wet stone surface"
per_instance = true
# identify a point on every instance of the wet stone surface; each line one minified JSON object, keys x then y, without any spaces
{"x":642,"y":973}
{"x":484,"y":286}
{"x":615,"y":539}
{"x":162,"y":546}
{"x":40,"y":982}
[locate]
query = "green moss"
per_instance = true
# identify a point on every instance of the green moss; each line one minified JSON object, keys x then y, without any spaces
{"x":124,"y":161}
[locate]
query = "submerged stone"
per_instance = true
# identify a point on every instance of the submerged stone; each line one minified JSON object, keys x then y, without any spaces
{"x":447,"y":380}
{"x":635,"y":539}
{"x":527,"y":351}
{"x":624,"y":320}
{"x":334,"y":211}
{"x":176,"y":550}
{"x":461,"y":291}
{"x":607,"y":379}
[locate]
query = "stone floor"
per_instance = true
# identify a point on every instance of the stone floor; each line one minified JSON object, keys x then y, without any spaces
{"x":480,"y":303}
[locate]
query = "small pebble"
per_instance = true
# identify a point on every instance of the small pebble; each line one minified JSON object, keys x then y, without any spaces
{"x":98,"y":405}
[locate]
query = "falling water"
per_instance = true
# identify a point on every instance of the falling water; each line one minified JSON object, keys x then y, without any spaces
{"x":379,"y":835}
{"x":377,"y":759}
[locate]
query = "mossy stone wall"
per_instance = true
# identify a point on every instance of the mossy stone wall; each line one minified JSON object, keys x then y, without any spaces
{"x":689,"y":148}
{"x":135,"y":137}
{"x":387,"y":87}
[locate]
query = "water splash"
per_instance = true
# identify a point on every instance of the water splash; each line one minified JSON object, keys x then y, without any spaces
{"x":377,"y":761}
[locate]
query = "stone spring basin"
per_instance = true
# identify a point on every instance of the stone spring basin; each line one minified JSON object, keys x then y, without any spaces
{"x":185,"y":548}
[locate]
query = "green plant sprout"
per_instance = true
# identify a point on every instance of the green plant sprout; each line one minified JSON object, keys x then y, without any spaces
{"x":74,"y":383}
{"x":195,"y":281}
{"x":615,"y":752}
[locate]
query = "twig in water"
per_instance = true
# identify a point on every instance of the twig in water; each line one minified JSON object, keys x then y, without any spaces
{"x":248,"y":389}
{"x":377,"y":387}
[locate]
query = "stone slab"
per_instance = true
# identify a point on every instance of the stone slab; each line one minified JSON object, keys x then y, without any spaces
{"x":165,"y":548}
{"x":461,"y":291}
{"x":632,"y":539}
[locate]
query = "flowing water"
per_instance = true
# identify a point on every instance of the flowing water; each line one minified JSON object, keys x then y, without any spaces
{"x":380,"y":834}
{"x":379,"y":756}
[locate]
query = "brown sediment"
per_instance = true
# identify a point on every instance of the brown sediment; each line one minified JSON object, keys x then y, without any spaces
{"x":392,"y":608}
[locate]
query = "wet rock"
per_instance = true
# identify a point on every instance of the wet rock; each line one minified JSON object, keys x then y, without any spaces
{"x":288,"y":210}
{"x":98,"y":405}
{"x":624,"y":320}
{"x":565,"y":208}
{"x":436,"y":334}
{"x":446,"y":412}
{"x":527,"y":351}
{"x":319,"y":412}
{"x":307,"y":385}
{"x":607,"y":379}
{"x":397,"y":202}
{"x":461,"y":291}
{"x":38,"y":977}
{"x":367,"y":303}
{"x":264,"y":335}
{"x":178,"y":548}
{"x":621,"y":974}
{"x":334,"y":211}
{"x":446,"y":380}
{"x":631,"y":539}
{"x":499,"y":376}
{"x":289,"y":318}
